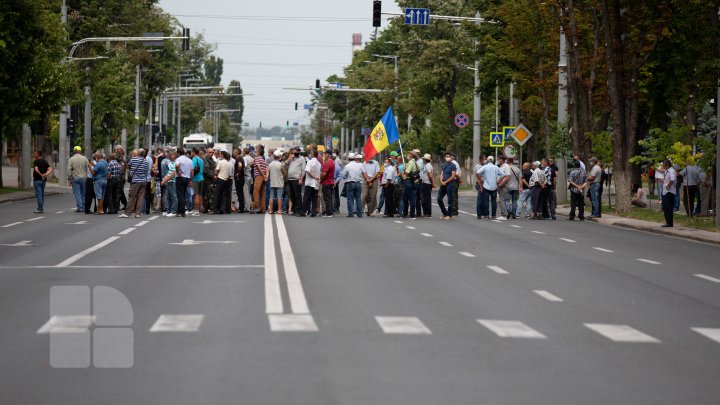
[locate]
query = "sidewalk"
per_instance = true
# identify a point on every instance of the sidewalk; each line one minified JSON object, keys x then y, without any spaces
{"x":647,"y":226}
{"x":10,"y":181}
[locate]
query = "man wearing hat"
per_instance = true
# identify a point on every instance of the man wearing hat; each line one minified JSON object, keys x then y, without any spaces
{"x":353,"y":175}
{"x":427,"y":184}
{"x":418,"y":186}
{"x":77,"y":175}
{"x":371,"y":174}
{"x":295,"y":167}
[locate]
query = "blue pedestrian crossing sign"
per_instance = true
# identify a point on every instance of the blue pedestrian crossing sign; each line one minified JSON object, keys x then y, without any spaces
{"x":497,"y":139}
{"x":417,"y":16}
{"x":508,"y":131}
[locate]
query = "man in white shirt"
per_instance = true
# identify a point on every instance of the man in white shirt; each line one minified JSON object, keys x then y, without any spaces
{"x":371,"y":175}
{"x":247,"y":186}
{"x":313,"y":170}
{"x":182,"y":181}
{"x":224,"y":182}
{"x":456,"y":188}
{"x":388,"y":184}
{"x":514,"y":178}
{"x":690,"y":182}
{"x":502,"y":188}
{"x":353,"y":175}
{"x":426,"y":186}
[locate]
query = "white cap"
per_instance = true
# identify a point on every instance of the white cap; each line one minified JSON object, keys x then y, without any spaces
{"x":490,"y":158}
{"x":278,"y":152}
{"x":359,"y":156}
{"x":351,"y":156}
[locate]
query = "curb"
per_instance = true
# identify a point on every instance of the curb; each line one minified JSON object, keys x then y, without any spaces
{"x":661,"y":231}
{"x":10,"y":198}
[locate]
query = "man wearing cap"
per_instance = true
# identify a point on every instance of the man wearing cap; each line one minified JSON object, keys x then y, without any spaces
{"x":295,"y":167}
{"x":595,"y":179}
{"x":388,"y":185}
{"x":313,"y":171}
{"x":537,"y":183}
{"x":447,"y":182}
{"x":371,"y":174}
{"x":353,"y":175}
{"x":427,"y":184}
{"x":418,"y":185}
{"x":77,"y":174}
{"x":411,"y":176}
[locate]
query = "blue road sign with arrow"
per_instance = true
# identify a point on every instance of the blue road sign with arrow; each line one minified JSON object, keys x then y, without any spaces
{"x":417,"y":16}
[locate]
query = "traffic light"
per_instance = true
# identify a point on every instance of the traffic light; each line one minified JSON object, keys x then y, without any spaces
{"x":296,"y":106}
{"x":317,"y":83}
{"x":186,"y":41}
{"x":287,"y":124}
{"x":377,"y":12}
{"x":71,"y":127}
{"x":504,"y":113}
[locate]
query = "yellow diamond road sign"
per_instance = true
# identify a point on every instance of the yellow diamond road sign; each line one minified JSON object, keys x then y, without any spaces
{"x":521,"y":134}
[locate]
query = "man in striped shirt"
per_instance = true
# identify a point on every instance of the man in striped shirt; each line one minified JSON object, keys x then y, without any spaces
{"x":138,"y":169}
{"x":112,"y":204}
{"x":259,"y":174}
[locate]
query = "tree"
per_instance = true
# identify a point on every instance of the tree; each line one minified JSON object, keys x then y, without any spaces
{"x":213,"y":71}
{"x":33,"y":82}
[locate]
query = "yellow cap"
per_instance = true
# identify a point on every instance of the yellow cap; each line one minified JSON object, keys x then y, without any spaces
{"x":77,"y":148}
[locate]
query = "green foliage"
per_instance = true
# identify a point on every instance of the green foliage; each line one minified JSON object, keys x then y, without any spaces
{"x":602,"y":146}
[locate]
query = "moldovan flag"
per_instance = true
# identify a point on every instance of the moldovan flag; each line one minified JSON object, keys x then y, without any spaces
{"x":383,"y":135}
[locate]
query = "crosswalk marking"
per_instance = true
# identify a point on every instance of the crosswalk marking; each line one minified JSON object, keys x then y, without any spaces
{"x":567,"y":240}
{"x":67,"y":324}
{"x":177,"y":323}
{"x":648,"y":261}
{"x":621,"y":333}
{"x":445,"y":244}
{"x":402,"y":325}
{"x":708,"y":278}
{"x":511,"y":329}
{"x":292,"y":323}
{"x":710,"y":333}
{"x":548,"y":295}
{"x":497,"y":269}
{"x":466,"y":254}
{"x":603,"y":250}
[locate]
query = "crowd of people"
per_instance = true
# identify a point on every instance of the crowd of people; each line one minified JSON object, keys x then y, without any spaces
{"x":179,"y":182}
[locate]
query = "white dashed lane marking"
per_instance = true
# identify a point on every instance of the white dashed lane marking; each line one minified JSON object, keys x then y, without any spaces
{"x":67,"y":324}
{"x":603,"y":250}
{"x":292,"y":323}
{"x":410,"y":227}
{"x":10,"y":225}
{"x":621,"y":333}
{"x":466,"y":254}
{"x":427,"y":235}
{"x":567,"y":240}
{"x":33,"y":219}
{"x":445,"y":244}
{"x":648,"y":261}
{"x":538,"y":232}
{"x":127,"y":231}
{"x":177,"y":323}
{"x":141,"y":223}
{"x":708,"y":278}
{"x":516,"y":226}
{"x":548,"y":296}
{"x":710,"y":333}
{"x":402,"y":325}
{"x":398,"y":222}
{"x":153,"y":218}
{"x":511,"y":329}
{"x":497,"y":269}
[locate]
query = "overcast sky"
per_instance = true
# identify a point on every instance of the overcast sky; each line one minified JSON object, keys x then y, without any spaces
{"x":286,"y":49}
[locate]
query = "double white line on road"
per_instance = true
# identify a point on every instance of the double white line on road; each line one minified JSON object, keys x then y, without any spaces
{"x":300,"y":319}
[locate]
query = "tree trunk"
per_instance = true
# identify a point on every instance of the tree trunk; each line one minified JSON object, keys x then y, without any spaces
{"x":624,"y":111}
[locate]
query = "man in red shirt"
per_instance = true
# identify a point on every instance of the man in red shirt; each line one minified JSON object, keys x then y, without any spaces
{"x":327,"y":180}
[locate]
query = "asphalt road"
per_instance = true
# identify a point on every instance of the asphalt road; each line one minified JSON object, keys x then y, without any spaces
{"x":360,"y":311}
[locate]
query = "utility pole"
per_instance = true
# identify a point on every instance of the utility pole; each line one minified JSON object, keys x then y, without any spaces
{"x":62,"y":128}
{"x":24,"y":174}
{"x":137,"y":106}
{"x":497,"y":112}
{"x":476,"y":106}
{"x":87,"y":123}
{"x":561,"y":181}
